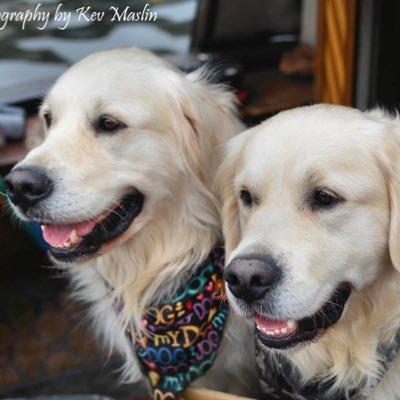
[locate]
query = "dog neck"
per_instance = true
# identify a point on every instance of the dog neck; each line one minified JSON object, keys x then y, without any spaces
{"x":150,"y":266}
{"x":351,"y":357}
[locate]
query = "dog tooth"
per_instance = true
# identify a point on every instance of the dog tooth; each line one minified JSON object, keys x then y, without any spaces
{"x":284,"y":330}
{"x":277,"y":331}
{"x":270,"y":333}
{"x":43,"y":227}
{"x":73,"y":237}
{"x":67,"y":244}
{"x":258,"y":328}
{"x":291,"y":324}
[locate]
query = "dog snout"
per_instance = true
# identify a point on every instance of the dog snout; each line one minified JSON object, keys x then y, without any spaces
{"x":27,"y":186}
{"x":250,"y":278}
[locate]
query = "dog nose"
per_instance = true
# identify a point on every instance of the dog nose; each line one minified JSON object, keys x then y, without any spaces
{"x":27,"y":186}
{"x":250,"y":278}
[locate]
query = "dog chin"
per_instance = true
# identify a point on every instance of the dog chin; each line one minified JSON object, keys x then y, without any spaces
{"x":285,"y":334}
{"x":76,"y":242}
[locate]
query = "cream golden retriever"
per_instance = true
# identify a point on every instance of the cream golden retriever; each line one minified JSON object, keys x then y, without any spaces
{"x":311,"y":220}
{"x":122,"y":188}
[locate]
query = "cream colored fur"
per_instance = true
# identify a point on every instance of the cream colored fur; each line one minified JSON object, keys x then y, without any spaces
{"x":174,"y":123}
{"x":357,"y":155}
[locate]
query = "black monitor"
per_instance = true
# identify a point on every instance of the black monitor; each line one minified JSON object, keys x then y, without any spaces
{"x":254,"y":32}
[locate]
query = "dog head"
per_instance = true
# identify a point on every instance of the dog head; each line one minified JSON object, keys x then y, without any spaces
{"x":127,"y":137}
{"x":310,"y":210}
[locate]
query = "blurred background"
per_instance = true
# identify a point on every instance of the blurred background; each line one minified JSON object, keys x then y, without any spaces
{"x":274,"y":54}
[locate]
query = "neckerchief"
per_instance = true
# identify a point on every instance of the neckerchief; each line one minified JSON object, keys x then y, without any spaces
{"x":279,"y":379}
{"x":182,"y":336}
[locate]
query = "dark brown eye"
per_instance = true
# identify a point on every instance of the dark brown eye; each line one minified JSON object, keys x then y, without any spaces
{"x":325,"y":198}
{"x":47,"y":119}
{"x":108,"y":124}
{"x":246,"y":198}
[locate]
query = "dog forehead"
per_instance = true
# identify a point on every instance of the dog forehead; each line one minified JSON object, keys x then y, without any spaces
{"x":306,"y":134}
{"x":324,"y":144}
{"x":120,"y":73}
{"x":131,"y":62}
{"x":134,"y":87}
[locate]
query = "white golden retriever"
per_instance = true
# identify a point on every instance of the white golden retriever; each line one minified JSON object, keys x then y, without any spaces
{"x":122,"y":188}
{"x":311,"y":220}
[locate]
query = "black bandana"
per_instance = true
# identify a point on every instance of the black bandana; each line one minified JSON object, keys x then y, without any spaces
{"x":279,"y":379}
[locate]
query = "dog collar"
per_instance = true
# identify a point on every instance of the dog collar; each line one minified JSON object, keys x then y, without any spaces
{"x":280,"y":379}
{"x":182,"y":337}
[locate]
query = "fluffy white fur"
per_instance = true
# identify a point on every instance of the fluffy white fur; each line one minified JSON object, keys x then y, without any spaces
{"x":281,"y":162}
{"x":174,"y":123}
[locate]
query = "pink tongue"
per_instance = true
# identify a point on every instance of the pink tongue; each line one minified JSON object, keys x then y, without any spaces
{"x":57,"y":235}
{"x":269,"y":324}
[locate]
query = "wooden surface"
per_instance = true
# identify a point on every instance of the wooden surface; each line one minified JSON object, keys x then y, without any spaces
{"x":335,"y":51}
{"x":271,"y":92}
{"x":206,"y":394}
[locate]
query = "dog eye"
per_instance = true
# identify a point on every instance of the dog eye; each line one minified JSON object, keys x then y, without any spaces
{"x":47,"y":119}
{"x":325,"y":198}
{"x":109,"y":124}
{"x":246,"y":198}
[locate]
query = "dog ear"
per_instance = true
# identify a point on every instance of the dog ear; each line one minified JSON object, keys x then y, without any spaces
{"x":394,"y":196}
{"x":225,"y":187}
{"x":392,"y":170}
{"x":211,"y":108}
{"x":208,"y":118}
{"x":389,"y":125}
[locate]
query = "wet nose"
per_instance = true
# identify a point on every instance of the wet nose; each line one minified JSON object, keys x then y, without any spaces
{"x":250,"y":278}
{"x":27,"y":186}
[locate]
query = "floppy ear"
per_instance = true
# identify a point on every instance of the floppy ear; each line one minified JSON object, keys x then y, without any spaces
{"x":392,"y":161}
{"x":210,"y":109}
{"x":225,"y":187}
{"x":389,"y":125}
{"x":394,"y":196}
{"x":207,"y":116}
{"x":213,"y":105}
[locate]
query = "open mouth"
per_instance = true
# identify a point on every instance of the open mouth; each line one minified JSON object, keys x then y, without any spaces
{"x":289,"y":333}
{"x":71,"y":241}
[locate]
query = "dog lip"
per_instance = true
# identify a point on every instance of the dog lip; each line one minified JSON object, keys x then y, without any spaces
{"x":306,"y":329}
{"x":108,"y":229}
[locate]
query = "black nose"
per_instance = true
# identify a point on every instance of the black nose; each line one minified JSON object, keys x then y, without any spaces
{"x":27,"y":186}
{"x":250,"y":278}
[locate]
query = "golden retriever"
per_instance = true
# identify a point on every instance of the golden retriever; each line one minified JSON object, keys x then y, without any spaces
{"x":122,"y":188}
{"x":311,"y":220}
